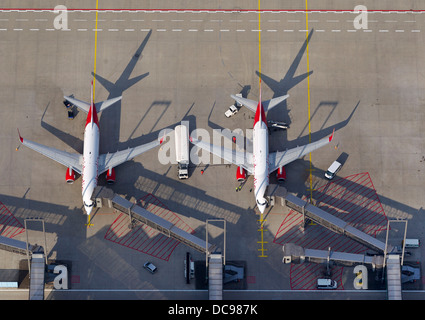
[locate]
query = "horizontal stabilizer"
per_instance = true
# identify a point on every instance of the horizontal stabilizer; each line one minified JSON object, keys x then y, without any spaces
{"x":252,"y":105}
{"x":270,"y":104}
{"x":84,"y":106}
{"x":100,"y":106}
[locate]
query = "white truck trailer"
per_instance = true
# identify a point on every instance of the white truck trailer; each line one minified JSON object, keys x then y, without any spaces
{"x":182,"y":150}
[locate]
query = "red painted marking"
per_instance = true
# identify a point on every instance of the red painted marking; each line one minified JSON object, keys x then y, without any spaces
{"x":9,"y":225}
{"x":144,"y":238}
{"x":352,"y":199}
{"x":214,"y":10}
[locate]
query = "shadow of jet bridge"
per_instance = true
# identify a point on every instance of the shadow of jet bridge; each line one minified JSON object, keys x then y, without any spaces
{"x":105,"y":197}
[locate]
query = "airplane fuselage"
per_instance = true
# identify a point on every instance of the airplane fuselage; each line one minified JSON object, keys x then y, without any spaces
{"x":90,"y":164}
{"x":260,"y":157}
{"x":90,"y":169}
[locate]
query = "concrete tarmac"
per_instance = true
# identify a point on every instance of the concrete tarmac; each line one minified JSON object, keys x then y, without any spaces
{"x":180,"y":65}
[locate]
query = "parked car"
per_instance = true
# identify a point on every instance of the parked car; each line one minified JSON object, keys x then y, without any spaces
{"x":150,"y":267}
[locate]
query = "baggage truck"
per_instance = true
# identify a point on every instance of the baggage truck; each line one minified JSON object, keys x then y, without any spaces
{"x":182,"y":150}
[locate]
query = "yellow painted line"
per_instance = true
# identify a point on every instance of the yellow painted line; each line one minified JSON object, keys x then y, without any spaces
{"x":89,"y":224}
{"x":308,"y":97}
{"x":95,"y":50}
{"x":259,"y":43}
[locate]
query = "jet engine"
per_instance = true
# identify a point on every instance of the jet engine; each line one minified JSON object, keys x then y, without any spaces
{"x":70,"y":176}
{"x":110,"y":176}
{"x":281,"y":174}
{"x":241,"y":174}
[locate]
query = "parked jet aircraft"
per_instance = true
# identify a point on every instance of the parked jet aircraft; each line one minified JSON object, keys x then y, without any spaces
{"x":261,"y":163}
{"x":90,"y":164}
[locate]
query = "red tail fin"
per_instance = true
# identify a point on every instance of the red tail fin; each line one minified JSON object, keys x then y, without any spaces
{"x":92,"y":116}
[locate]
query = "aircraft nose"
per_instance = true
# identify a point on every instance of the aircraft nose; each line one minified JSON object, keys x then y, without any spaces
{"x":262,"y":208}
{"x":88,"y":209}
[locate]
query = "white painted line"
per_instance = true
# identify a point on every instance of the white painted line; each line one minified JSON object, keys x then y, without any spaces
{"x":336,"y":30}
{"x":224,"y":30}
{"x":271,"y":30}
{"x":351,"y":30}
{"x":320,"y":30}
{"x":39,"y":19}
{"x":192,"y":30}
{"x":113,"y":30}
{"x":399,"y":31}
{"x":240,"y":30}
{"x":3,"y":29}
{"x":81,"y":29}
{"x":288,"y":30}
{"x":34,"y":29}
{"x":161,"y":30}
{"x":416,"y":30}
{"x":208,"y":30}
{"x":176,"y":30}
{"x":18,"y":29}
{"x":145,"y":29}
{"x":383,"y":30}
{"x":97,"y":29}
{"x":128,"y":29}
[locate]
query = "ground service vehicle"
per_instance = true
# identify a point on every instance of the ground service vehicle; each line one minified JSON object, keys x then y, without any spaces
{"x":182,"y":150}
{"x":333,"y":169}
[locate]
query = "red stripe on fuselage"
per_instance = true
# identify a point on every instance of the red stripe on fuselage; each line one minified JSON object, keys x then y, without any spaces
{"x":260,"y":113}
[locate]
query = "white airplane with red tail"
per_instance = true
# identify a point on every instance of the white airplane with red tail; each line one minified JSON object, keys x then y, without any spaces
{"x":261,"y":163}
{"x":90,"y":164}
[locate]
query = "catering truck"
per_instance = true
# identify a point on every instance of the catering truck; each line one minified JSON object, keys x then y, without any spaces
{"x":182,"y":150}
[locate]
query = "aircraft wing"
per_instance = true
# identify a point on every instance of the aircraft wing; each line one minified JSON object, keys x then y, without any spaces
{"x":111,"y":160}
{"x":70,"y":160}
{"x":243,"y":159}
{"x":282,"y":158}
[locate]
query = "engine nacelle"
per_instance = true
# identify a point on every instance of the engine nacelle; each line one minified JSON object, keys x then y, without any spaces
{"x":241,"y":174}
{"x":70,"y":176}
{"x":110,"y":176}
{"x":281,"y":174}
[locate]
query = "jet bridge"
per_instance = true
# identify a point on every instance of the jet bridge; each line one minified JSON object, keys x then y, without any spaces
{"x":36,"y":265}
{"x":294,"y":253}
{"x":106,"y":197}
{"x":327,"y":220}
